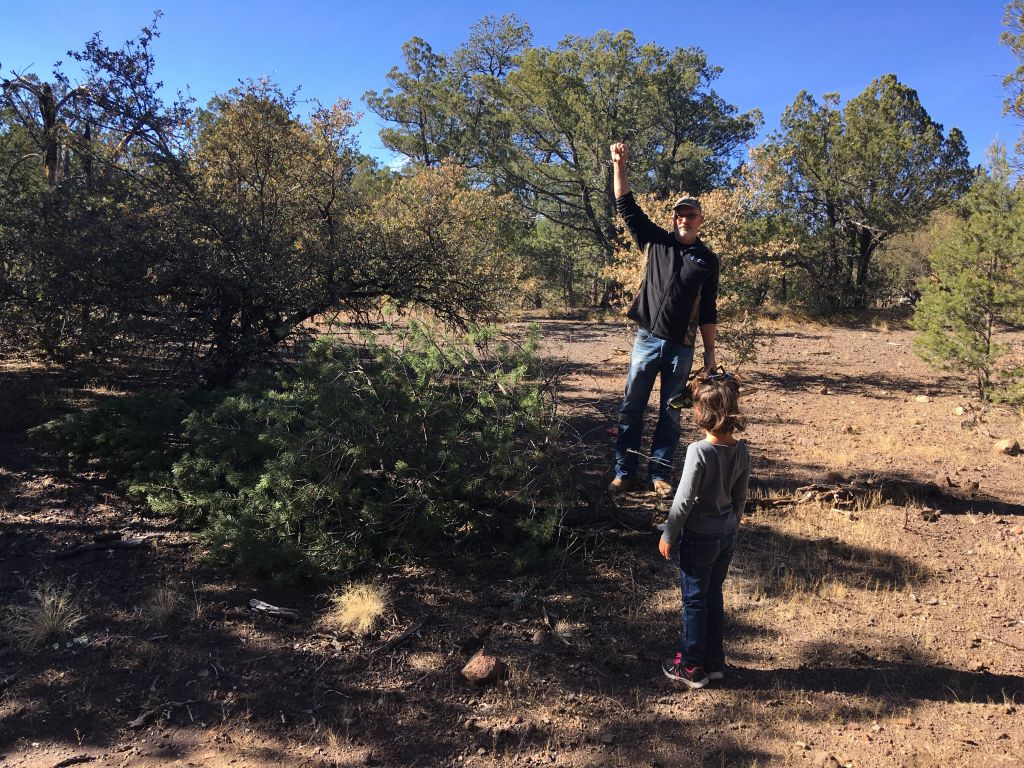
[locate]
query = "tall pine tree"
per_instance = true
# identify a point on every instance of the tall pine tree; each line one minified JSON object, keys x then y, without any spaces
{"x":976,"y":288}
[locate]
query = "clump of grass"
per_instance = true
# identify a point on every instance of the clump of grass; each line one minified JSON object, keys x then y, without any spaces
{"x":357,"y":608}
{"x":873,"y":499}
{"x":162,"y":605}
{"x":198,"y":608}
{"x":55,"y":612}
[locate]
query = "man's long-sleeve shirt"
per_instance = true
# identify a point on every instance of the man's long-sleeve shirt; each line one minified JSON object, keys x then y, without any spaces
{"x":679,"y":292}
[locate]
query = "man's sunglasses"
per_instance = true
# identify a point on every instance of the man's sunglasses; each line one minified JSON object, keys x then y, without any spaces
{"x":685,"y":398}
{"x":721,"y":375}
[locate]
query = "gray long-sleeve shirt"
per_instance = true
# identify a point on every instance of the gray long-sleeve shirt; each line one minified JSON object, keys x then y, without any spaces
{"x":712,"y":490}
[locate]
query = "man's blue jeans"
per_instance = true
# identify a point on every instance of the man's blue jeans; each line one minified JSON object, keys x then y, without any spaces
{"x":652,"y":357}
{"x":704,"y":563}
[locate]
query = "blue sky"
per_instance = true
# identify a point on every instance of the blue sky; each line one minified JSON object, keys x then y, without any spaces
{"x":949,"y":52}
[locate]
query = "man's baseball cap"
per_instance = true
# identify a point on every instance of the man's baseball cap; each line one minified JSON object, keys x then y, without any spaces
{"x":688,"y":202}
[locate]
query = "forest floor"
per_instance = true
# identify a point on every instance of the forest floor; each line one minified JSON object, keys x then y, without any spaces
{"x":876,"y":619}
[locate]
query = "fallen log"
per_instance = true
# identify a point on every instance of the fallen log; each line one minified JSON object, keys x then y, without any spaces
{"x":76,"y":760}
{"x":394,"y":642}
{"x":141,"y":720}
{"x":273,"y":611}
{"x":100,"y":546}
{"x":892,"y":491}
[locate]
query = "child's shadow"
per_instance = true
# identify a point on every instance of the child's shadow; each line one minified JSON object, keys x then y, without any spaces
{"x":915,"y":680}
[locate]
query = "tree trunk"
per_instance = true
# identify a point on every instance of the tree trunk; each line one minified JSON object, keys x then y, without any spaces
{"x":48,"y":112}
{"x":865,"y":249}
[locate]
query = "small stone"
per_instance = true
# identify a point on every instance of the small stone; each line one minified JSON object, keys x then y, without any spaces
{"x":540,"y":637}
{"x":823,"y":391}
{"x":1008,"y":447}
{"x":922,"y":399}
{"x":484,"y":669}
{"x":608,"y":739}
{"x":933,"y":601}
{"x":959,"y":411}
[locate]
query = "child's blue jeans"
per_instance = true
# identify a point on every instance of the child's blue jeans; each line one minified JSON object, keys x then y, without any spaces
{"x":704,"y":563}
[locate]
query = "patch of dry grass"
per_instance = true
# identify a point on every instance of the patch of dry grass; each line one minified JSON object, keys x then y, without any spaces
{"x":162,"y":605}
{"x":358,"y":608}
{"x":818,"y":567}
{"x":55,"y":612}
{"x":198,"y":609}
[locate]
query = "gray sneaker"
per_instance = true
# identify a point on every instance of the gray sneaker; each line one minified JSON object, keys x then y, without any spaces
{"x":715,"y":672}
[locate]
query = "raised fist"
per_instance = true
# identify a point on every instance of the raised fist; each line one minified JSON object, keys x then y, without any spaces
{"x":620,"y":152}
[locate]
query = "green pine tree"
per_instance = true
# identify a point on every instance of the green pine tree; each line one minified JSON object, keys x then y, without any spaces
{"x":976,"y":288}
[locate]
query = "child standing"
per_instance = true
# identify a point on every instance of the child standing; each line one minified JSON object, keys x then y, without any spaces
{"x":706,"y":511}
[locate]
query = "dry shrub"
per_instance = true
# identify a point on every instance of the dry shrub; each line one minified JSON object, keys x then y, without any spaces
{"x":54,"y":613}
{"x":162,"y":605}
{"x":357,"y":608}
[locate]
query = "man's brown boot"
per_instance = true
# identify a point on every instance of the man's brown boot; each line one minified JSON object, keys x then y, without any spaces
{"x":624,"y":485}
{"x":663,"y":489}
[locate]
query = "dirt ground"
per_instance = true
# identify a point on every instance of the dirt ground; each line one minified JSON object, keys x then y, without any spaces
{"x":876,"y":605}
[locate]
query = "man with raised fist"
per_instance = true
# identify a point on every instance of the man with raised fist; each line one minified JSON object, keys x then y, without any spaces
{"x":677,"y":297}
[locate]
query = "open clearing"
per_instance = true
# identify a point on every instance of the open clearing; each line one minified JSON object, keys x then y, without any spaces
{"x":874,"y":620}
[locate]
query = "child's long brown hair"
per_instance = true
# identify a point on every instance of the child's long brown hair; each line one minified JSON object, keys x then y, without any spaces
{"x":717,"y":400}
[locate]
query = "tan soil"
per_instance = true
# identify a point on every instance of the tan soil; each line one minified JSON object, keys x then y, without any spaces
{"x":889,"y":632}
